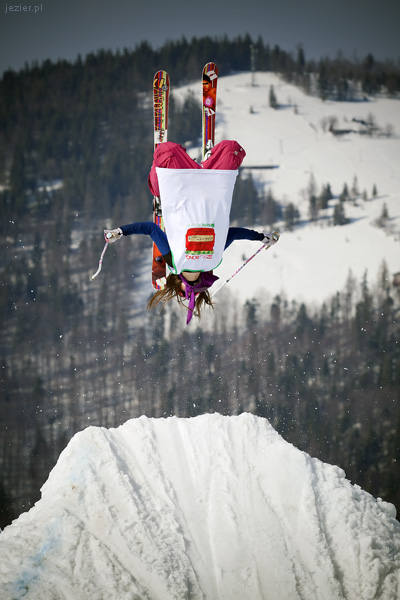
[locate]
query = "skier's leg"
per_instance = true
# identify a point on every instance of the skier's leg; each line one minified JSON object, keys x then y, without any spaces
{"x":169,"y":155}
{"x":227,"y":154}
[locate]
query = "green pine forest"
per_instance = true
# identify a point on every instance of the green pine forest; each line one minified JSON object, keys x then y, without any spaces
{"x":75,"y":149}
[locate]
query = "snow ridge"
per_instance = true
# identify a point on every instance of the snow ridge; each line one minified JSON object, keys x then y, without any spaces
{"x":210,"y":507}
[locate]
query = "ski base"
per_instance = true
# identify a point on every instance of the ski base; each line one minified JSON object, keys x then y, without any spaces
{"x":209,"y":81}
{"x":161,"y":87}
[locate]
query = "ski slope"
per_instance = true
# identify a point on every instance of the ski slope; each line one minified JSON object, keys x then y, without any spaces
{"x":210,"y":507}
{"x":311,"y":263}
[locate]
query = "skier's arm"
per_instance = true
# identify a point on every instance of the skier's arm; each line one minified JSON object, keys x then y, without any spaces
{"x":241,"y":233}
{"x":151,"y":229}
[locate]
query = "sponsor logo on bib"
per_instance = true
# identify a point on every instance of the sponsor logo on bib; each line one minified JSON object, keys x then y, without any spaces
{"x":200,"y":241}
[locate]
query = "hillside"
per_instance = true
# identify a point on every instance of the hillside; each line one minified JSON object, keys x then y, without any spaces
{"x":312,"y":262}
{"x":206,"y":508}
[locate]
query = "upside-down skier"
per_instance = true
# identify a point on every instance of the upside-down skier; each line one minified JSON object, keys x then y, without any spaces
{"x":196,"y":201}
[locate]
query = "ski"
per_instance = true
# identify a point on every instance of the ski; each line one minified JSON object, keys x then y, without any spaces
{"x":160,"y":109}
{"x":209,"y":80}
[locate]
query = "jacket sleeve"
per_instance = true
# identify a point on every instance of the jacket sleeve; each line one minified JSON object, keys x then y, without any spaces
{"x":241,"y":233}
{"x":152,"y":230}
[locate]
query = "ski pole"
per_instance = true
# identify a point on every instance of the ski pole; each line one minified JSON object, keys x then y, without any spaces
{"x":275,"y":237}
{"x":100,"y":262}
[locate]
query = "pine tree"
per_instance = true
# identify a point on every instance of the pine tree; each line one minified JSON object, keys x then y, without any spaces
{"x":301,"y":61}
{"x":18,"y":181}
{"x":291,"y":216}
{"x":273,"y":102}
{"x":339,"y":217}
{"x":251,"y":307}
{"x":323,"y":81}
{"x":382,"y":220}
{"x":325,"y":196}
{"x":344,"y":196}
{"x":271,"y":212}
{"x":364,"y":310}
{"x":354,"y":189}
{"x":312,"y":186}
{"x":313,"y":208}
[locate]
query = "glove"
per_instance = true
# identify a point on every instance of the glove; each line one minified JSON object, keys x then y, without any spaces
{"x":112,"y":235}
{"x":270,"y":238}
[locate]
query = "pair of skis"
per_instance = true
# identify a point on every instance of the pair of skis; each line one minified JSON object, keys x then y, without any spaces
{"x":161,"y":89}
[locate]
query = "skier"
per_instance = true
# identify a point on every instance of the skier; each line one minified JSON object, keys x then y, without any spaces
{"x":196,"y":201}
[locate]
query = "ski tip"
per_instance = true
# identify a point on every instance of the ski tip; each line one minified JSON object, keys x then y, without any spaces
{"x":211,"y":66}
{"x":159,"y":284}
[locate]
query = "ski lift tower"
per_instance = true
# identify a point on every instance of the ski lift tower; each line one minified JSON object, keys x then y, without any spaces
{"x":253,"y":61}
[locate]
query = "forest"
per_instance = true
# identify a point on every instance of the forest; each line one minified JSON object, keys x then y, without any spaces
{"x":75,"y":147}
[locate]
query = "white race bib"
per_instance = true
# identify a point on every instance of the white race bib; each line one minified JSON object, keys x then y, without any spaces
{"x":196,"y":205}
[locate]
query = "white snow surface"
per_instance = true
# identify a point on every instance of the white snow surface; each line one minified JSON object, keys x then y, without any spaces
{"x":313,"y":262}
{"x":210,"y":507}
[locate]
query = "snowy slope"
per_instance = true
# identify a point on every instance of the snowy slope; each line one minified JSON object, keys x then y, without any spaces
{"x":312,"y":263}
{"x":205,"y":508}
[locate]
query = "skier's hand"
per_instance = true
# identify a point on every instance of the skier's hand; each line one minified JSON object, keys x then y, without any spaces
{"x":270,"y":238}
{"x":112,"y":235}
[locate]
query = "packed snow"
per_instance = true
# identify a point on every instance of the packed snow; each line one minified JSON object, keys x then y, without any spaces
{"x":210,"y":507}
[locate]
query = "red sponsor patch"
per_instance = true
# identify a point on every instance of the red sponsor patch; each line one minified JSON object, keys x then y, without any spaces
{"x":200,"y":240}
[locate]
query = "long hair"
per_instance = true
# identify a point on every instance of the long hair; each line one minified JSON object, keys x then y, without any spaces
{"x":173,"y":289}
